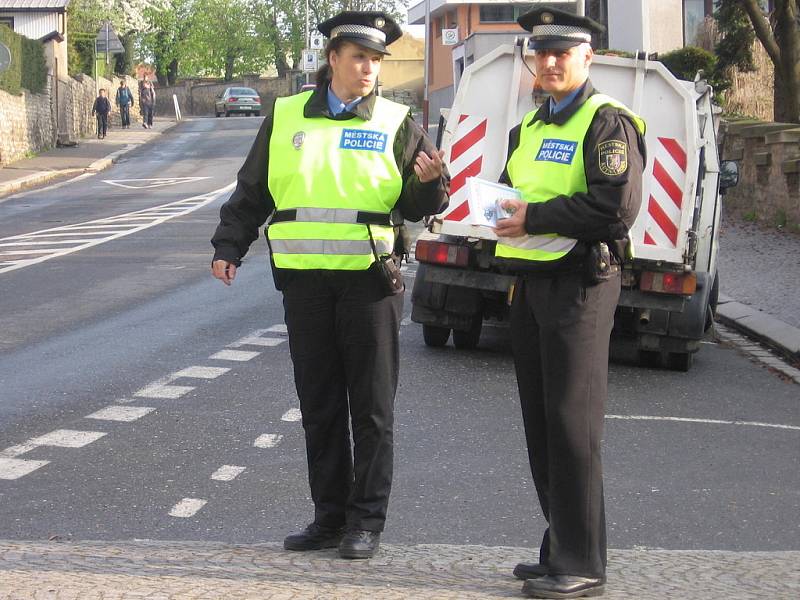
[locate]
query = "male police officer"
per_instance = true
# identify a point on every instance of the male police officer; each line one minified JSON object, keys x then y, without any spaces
{"x":578,"y":161}
{"x":332,"y":164}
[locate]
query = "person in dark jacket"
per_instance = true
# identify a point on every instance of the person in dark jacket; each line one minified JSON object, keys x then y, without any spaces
{"x":578,"y":162}
{"x":124,"y":101}
{"x":147,"y":103}
{"x":330,"y":169}
{"x":101,"y":108}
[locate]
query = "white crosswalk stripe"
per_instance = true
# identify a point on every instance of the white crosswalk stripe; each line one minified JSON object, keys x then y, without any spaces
{"x":20,"y":251}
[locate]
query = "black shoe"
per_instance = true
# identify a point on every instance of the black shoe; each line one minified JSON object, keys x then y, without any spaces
{"x":530,"y":570}
{"x":358,"y":543}
{"x":564,"y":586}
{"x":314,"y":537}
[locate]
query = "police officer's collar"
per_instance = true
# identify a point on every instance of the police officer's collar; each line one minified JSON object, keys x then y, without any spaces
{"x":317,"y":106}
{"x":562,"y":116}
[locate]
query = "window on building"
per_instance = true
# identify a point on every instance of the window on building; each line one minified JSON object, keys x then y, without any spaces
{"x":9,"y":21}
{"x":694,"y":13}
{"x":503,"y":13}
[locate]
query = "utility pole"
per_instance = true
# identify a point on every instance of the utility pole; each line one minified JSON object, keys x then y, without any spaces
{"x":425,"y":106}
{"x":580,"y":8}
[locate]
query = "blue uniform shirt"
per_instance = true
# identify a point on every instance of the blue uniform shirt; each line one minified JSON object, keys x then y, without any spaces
{"x":337,"y":106}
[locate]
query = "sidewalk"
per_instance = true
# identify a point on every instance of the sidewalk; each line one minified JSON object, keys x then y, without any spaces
{"x":89,"y":155}
{"x":201,"y":570}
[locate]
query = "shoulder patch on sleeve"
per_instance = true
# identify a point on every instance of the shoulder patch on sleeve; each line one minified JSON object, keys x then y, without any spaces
{"x":613,"y":157}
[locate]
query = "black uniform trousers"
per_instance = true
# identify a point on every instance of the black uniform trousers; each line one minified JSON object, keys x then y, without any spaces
{"x":344,"y":343}
{"x":560,"y":332}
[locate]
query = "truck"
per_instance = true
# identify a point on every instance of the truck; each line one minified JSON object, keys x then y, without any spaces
{"x":671,"y":285}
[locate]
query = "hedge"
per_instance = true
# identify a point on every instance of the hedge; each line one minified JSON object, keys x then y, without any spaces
{"x":28,"y":68}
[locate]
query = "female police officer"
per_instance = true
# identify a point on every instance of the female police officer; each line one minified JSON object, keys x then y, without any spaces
{"x":329,"y":167}
{"x":578,"y":161}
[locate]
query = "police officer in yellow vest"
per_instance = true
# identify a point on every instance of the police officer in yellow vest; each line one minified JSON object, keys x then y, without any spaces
{"x":331,"y":169}
{"x":578,"y":161}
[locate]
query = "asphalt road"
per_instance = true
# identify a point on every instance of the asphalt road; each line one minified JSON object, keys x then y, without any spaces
{"x":201,"y":379}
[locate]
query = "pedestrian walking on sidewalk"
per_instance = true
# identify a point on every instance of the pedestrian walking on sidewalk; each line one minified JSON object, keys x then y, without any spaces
{"x":147,"y":103}
{"x":578,"y":162}
{"x":124,"y":101}
{"x":334,"y":169}
{"x":100,"y":109}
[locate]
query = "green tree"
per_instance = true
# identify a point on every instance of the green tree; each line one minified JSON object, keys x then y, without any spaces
{"x":167,"y":31}
{"x":223,"y":40}
{"x":778,"y":32}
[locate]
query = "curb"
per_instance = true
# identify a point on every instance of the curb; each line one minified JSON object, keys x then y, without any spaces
{"x":758,"y":325}
{"x":100,"y":164}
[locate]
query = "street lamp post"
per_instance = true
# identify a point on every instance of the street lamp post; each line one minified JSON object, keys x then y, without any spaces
{"x":425,"y":106}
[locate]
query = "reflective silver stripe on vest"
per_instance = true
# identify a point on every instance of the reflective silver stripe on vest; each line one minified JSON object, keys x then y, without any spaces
{"x":545,"y":243}
{"x":329,"y":215}
{"x":334,"y":247}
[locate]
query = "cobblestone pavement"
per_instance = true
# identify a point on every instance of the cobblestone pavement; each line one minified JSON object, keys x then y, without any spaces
{"x":200,"y":570}
{"x":760,"y":267}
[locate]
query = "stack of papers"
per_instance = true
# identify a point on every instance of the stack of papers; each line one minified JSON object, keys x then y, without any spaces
{"x":485,"y":198}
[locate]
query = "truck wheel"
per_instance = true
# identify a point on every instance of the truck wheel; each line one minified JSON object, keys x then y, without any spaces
{"x":468,"y":340}
{"x":679,"y":361}
{"x":649,"y":359}
{"x":435,"y":337}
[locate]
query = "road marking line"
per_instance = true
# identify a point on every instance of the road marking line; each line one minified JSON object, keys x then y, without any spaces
{"x":17,"y":450}
{"x":707,"y":421}
{"x":160,"y":390}
{"x":14,"y":468}
{"x":227,"y":473}
{"x":201,"y":372}
{"x":406,"y":321}
{"x":292,"y":415}
{"x":268,"y":440}
{"x":257,"y":339}
{"x":237,"y":355}
{"x":67,"y":438}
{"x":182,"y":207}
{"x":187,"y":507}
{"x":279,"y":328}
{"x":125,"y":414}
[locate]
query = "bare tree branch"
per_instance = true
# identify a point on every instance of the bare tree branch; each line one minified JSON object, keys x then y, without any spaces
{"x":763,"y":29}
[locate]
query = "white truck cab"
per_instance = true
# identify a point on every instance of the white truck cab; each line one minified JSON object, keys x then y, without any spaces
{"x":669,"y":288}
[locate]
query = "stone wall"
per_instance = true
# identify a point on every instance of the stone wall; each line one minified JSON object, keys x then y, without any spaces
{"x":31,"y":123}
{"x":26,"y":124}
{"x":769,"y":172}
{"x":197,"y":98}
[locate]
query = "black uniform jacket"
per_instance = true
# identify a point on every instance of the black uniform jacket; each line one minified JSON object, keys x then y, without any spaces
{"x":608,"y":209}
{"x":251,"y":203}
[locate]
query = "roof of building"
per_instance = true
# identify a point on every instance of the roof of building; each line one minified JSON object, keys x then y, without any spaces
{"x":33,"y":5}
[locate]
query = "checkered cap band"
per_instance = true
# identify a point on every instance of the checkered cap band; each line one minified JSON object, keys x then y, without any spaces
{"x":561,"y":31}
{"x":362,"y":30}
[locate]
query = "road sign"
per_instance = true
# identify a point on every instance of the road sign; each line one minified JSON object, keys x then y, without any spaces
{"x":107,"y":40}
{"x":317,"y":41}
{"x":450,"y":36}
{"x":310,"y":60}
{"x":5,"y":57}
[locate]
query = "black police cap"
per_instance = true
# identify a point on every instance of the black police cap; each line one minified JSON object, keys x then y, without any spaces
{"x":555,"y":29}
{"x":371,"y":29}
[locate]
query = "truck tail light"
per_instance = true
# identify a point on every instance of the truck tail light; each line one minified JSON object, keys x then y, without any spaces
{"x":668,"y":283}
{"x":442,"y":253}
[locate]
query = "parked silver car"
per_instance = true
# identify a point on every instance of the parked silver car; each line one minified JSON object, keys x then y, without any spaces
{"x":238,"y":100}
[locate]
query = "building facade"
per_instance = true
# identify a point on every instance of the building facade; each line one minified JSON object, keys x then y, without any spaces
{"x":462,"y":31}
{"x":43,"y":20}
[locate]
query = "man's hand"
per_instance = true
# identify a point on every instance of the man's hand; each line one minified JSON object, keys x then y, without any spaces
{"x":224,"y":271}
{"x":513,"y":226}
{"x":429,"y":168}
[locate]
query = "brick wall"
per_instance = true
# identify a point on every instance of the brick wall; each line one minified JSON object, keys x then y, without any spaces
{"x":769,"y":172}
{"x":26,"y":124}
{"x":31,"y":123}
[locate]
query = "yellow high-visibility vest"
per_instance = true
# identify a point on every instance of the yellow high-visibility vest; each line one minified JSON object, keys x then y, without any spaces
{"x":547,"y":163}
{"x":329,"y":178}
